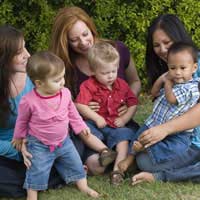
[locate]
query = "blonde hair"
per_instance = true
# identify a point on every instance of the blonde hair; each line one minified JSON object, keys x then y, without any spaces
{"x":44,"y":64}
{"x":101,"y":53}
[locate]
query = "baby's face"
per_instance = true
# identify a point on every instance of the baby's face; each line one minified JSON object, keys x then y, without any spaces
{"x":181,"y":66}
{"x":52,"y":84}
{"x":106,"y":74}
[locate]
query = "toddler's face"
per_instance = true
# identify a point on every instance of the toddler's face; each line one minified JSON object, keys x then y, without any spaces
{"x":52,"y":85}
{"x":106,"y":74}
{"x":181,"y":66}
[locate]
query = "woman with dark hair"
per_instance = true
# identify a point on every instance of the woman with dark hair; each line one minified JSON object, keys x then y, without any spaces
{"x":162,"y":33}
{"x":14,"y":83}
{"x":170,"y":29}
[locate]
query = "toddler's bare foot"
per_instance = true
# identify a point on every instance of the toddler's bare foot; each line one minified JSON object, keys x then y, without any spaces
{"x":142,"y":177}
{"x":83,"y":187}
{"x":124,"y":164}
{"x":91,"y":193}
{"x":137,"y":146}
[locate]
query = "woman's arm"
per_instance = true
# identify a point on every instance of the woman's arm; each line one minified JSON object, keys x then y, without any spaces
{"x":26,"y":155}
{"x":188,"y":120}
{"x":133,"y":78}
{"x":125,"y":118}
{"x":7,"y":150}
{"x":133,"y":82}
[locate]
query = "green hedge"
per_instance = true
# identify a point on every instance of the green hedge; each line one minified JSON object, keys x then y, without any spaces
{"x":125,"y":20}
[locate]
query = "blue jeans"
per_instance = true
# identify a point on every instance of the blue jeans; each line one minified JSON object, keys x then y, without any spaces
{"x":65,"y":159}
{"x":111,"y":136}
{"x":168,"y":148}
{"x":184,"y":167}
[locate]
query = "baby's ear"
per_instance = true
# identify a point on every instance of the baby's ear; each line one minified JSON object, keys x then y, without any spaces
{"x":93,"y":73}
{"x":38,"y":83}
{"x":195,"y":67}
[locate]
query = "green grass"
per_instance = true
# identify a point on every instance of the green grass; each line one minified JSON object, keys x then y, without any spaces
{"x":143,"y":191}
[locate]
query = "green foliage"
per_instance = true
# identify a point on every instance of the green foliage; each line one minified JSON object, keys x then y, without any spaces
{"x":125,"y":20}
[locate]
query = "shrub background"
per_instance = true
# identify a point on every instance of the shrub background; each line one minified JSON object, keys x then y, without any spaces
{"x":125,"y":20}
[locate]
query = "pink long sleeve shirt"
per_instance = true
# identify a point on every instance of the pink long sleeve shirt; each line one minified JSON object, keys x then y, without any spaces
{"x":49,"y":123}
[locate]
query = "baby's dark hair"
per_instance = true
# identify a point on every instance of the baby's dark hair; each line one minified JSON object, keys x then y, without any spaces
{"x":43,"y":64}
{"x":184,"y":46}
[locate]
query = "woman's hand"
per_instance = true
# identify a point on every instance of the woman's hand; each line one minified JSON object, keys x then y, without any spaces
{"x":152,"y":136}
{"x":17,"y":144}
{"x":94,"y":106}
{"x":119,"y":122}
{"x":122,"y":110}
{"x":26,"y":155}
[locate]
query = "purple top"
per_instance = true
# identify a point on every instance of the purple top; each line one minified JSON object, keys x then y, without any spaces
{"x":123,"y":64}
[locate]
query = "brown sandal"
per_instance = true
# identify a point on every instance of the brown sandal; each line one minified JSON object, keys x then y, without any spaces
{"x":116,"y":177}
{"x":106,"y":157}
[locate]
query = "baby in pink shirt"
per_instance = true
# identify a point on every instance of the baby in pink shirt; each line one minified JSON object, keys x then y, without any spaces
{"x":44,"y":116}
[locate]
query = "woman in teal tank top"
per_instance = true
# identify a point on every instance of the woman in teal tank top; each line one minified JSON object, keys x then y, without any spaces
{"x":14,"y":83}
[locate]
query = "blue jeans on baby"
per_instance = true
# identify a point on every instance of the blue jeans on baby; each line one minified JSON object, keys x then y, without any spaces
{"x":166,"y":149}
{"x":111,"y":136}
{"x":65,"y":159}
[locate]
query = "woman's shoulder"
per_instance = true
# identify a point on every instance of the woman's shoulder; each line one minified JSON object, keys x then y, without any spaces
{"x":124,"y":54}
{"x":29,"y":85}
{"x":121,"y":46}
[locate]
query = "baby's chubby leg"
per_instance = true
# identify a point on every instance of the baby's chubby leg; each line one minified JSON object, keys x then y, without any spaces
{"x":31,"y":194}
{"x":83,"y":187}
{"x":124,"y":164}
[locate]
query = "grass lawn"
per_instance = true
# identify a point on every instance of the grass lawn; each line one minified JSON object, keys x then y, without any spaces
{"x":143,"y":191}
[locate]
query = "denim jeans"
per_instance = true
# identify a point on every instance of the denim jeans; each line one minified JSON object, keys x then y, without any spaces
{"x":168,"y":148}
{"x":65,"y":159}
{"x":111,"y":136}
{"x":184,"y":167}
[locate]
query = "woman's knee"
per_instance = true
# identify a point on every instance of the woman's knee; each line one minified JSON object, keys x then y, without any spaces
{"x":94,"y":167}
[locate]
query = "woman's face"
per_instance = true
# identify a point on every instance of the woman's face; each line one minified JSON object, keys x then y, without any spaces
{"x":20,"y":60}
{"x":161,"y":44}
{"x":80,"y":38}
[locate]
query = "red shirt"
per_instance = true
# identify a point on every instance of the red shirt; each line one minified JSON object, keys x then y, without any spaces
{"x":109,"y":100}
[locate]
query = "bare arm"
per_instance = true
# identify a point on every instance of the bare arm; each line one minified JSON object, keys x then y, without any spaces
{"x":169,"y":94}
{"x":188,"y":120}
{"x":157,"y":86}
{"x":133,"y":78}
{"x":88,"y":113}
{"x":159,"y":83}
{"x":125,"y":118}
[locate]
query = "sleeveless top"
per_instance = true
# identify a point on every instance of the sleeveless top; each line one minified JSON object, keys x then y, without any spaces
{"x":6,"y":134}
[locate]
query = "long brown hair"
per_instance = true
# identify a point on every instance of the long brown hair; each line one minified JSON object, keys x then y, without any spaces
{"x":10,"y":40}
{"x":64,"y":20}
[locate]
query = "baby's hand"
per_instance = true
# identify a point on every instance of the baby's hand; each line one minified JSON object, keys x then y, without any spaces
{"x":100,"y":122}
{"x":17,"y":144}
{"x":86,"y":132}
{"x":119,"y":122}
{"x":169,"y":82}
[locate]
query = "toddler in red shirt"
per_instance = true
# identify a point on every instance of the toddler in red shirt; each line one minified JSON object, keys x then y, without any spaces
{"x":110,"y":92}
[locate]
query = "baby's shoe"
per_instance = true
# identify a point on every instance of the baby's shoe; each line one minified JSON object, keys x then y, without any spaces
{"x":107,"y":156}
